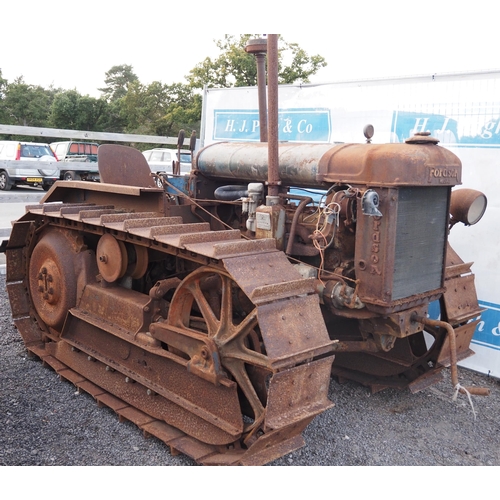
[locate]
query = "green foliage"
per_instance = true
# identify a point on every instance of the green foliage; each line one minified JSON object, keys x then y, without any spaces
{"x":159,"y":109}
{"x":128,"y":106}
{"x":112,"y":119}
{"x":71,"y":110}
{"x":3,"y":88}
{"x":3,"y":84}
{"x":27,"y":105}
{"x":118,"y":80}
{"x":236,"y":68}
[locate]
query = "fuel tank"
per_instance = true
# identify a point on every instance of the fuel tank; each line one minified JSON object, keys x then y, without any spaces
{"x":320,"y":165}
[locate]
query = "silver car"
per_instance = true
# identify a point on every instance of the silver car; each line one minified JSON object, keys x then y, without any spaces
{"x":25,"y":172}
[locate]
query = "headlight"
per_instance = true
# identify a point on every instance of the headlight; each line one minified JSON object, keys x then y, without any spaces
{"x":467,"y":206}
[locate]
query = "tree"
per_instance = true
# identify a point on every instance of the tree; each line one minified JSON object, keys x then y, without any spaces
{"x":183,"y":110}
{"x":143,"y":106}
{"x":3,"y":89}
{"x":71,"y":110}
{"x":160,"y":109}
{"x":27,"y":105}
{"x":236,"y":68}
{"x":3,"y":85}
{"x":118,"y":79}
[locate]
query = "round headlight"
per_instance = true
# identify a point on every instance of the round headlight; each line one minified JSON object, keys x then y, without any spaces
{"x":467,"y":206}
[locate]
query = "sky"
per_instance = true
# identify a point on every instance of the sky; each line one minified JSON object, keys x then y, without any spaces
{"x":72,"y":45}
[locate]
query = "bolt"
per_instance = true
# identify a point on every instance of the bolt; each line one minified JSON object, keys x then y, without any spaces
{"x":103,"y":258}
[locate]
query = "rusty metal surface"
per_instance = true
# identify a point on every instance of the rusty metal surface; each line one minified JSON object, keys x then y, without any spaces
{"x":298,"y":163}
{"x":451,"y":338}
{"x":186,"y":318}
{"x":460,"y":299}
{"x":292,"y":394}
{"x":258,"y":47}
{"x":237,"y":344}
{"x":53,"y":268}
{"x":111,"y":258}
{"x":129,"y":199}
{"x":214,"y":421}
{"x":320,"y":165}
{"x":391,"y":165}
{"x":300,"y":317}
{"x":273,"y":179}
{"x":463,"y":335}
{"x":123,"y":165}
{"x":115,"y":326}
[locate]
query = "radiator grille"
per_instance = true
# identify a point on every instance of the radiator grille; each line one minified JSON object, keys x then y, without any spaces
{"x":421,"y":230}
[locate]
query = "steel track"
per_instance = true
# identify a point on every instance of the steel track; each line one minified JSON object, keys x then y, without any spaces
{"x":274,"y":287}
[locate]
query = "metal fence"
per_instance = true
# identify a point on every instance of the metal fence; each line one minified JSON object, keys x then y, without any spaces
{"x":53,"y":135}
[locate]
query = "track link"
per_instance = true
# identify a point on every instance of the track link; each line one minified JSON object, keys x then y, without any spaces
{"x":297,"y":360}
{"x":176,"y":440}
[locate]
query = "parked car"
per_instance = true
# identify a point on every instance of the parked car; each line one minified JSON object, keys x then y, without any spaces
{"x":161,"y":160}
{"x":10,"y":175}
{"x":77,"y":151}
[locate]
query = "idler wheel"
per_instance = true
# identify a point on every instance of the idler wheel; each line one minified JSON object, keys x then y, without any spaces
{"x":112,"y":258}
{"x":52,"y":275}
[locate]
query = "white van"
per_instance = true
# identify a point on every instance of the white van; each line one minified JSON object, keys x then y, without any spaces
{"x":25,"y":174}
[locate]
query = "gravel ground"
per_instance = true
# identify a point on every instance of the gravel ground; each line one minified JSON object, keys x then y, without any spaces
{"x":44,"y":421}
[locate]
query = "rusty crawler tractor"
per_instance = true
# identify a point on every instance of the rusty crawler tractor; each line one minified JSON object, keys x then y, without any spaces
{"x":212,"y":312}
{"x":213,"y":324}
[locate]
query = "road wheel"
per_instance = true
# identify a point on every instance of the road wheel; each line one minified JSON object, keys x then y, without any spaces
{"x":5,"y":184}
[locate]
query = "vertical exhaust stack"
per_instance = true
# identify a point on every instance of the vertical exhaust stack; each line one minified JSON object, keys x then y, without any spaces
{"x":269,"y":218}
{"x":268,"y":119}
{"x":272,"y":97}
{"x":258,"y":47}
